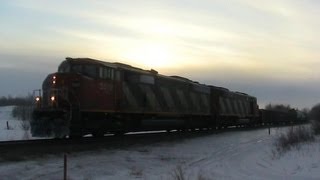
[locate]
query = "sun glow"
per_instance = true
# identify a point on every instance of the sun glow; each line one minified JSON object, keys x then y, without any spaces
{"x":151,"y":55}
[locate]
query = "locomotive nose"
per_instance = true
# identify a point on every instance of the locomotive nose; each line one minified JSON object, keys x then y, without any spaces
{"x":54,"y":90}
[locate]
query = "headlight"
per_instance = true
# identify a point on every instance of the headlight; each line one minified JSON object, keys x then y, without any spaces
{"x":54,"y":80}
{"x":53,"y":98}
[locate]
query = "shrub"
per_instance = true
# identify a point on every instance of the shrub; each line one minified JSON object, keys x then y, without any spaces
{"x":315,"y":118}
{"x":25,"y":125}
{"x":22,"y":112}
{"x":292,"y":138}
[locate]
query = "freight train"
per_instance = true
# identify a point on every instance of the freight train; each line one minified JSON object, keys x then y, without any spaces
{"x":88,"y":96}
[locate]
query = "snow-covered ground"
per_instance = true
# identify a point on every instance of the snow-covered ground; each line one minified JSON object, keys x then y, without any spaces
{"x":11,"y":128}
{"x":229,"y":155}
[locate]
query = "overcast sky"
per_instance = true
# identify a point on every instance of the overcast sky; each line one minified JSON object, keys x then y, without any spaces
{"x":267,"y":48}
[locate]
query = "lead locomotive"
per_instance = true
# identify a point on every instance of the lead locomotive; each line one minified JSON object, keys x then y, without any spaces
{"x":88,"y":96}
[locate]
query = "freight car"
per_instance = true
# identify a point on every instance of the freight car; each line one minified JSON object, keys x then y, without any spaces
{"x":87,"y":96}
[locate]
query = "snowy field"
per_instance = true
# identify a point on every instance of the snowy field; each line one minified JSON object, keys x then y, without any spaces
{"x":229,"y":155}
{"x":10,"y":128}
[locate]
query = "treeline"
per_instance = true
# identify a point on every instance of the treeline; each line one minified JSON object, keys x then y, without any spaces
{"x":278,"y":107}
{"x":23,"y":106}
{"x":16,"y":101}
{"x":285,"y":108}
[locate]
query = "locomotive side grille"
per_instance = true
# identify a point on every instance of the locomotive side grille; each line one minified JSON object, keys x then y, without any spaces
{"x":182,"y":99}
{"x":150,"y":97}
{"x":242,"y":112}
{"x":168,"y":98}
{"x":129,"y":96}
{"x":195,"y":101}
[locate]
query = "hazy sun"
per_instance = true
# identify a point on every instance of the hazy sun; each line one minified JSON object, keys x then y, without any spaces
{"x":151,"y":55}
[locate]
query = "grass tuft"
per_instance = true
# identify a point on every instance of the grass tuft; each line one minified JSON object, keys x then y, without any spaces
{"x":179,"y":174}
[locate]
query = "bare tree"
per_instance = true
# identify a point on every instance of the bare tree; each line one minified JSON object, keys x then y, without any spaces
{"x":278,"y":107}
{"x":315,"y":118}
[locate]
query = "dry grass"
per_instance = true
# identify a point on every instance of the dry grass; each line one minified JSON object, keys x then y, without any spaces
{"x":293,"y":138}
{"x":136,"y":172}
{"x":25,"y":125}
{"x":179,"y":174}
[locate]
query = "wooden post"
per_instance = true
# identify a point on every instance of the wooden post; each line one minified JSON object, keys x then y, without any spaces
{"x":65,"y":167}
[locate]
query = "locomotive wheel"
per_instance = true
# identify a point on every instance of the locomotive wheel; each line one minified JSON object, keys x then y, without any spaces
{"x":119,"y":133}
{"x":60,"y":128}
{"x":97,"y":134}
{"x":75,"y":136}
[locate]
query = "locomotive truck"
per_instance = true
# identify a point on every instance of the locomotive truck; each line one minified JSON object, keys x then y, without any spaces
{"x":88,"y":96}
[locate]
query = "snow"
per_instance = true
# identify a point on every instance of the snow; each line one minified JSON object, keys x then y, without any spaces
{"x":229,"y":155}
{"x":11,"y":128}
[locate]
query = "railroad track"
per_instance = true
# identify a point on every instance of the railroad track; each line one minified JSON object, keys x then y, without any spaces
{"x":32,"y":149}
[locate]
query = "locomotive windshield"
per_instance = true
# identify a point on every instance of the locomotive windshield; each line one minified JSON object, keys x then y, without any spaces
{"x":90,"y":70}
{"x":84,"y":69}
